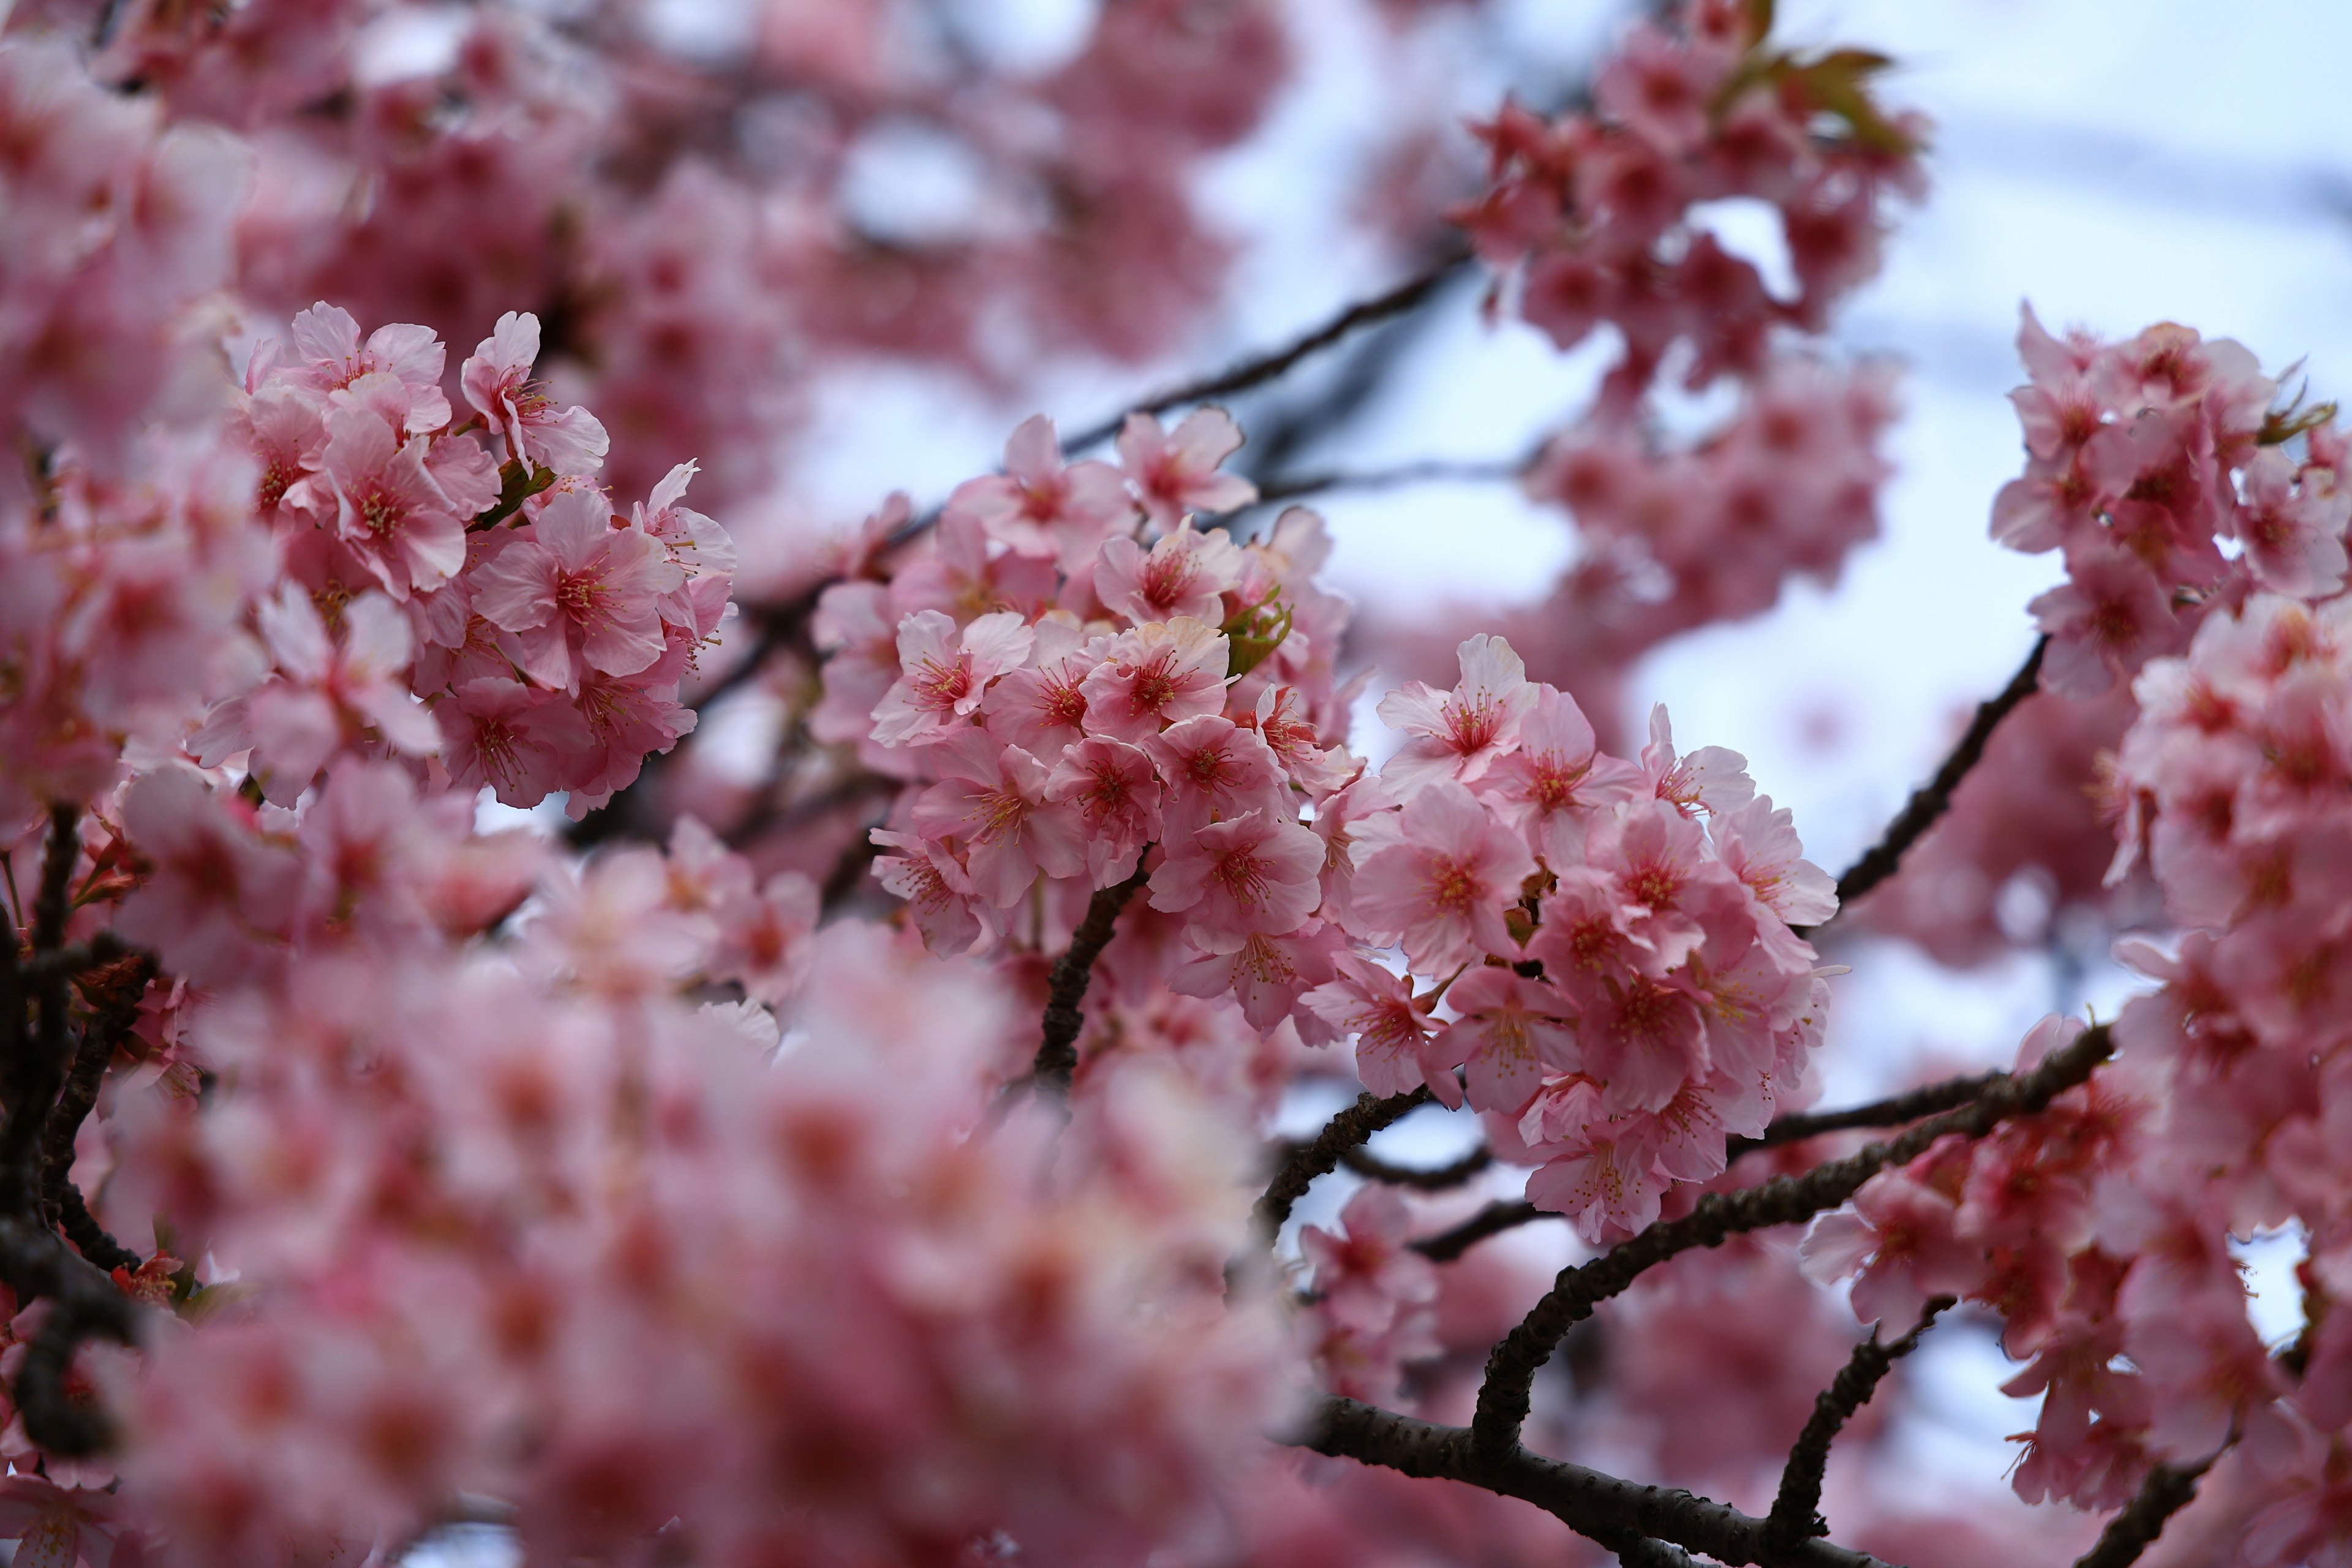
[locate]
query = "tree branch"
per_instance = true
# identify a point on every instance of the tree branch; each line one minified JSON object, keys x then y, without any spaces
{"x":1511,"y":1367}
{"x":1434,"y":1179}
{"x":1892,"y":1112}
{"x":1587,"y":1501}
{"x":1057,"y":1053}
{"x":1264,"y":367}
{"x":100,"y":1035}
{"x":2167,"y":1490}
{"x":1930,"y":800}
{"x":1493,"y":1220}
{"x":1321,"y":1155}
{"x":1795,"y":1515}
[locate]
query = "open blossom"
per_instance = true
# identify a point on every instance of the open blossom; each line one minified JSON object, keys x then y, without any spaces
{"x":1040,"y":507}
{"x":517,"y":740}
{"x":1187,"y":573}
{"x":1118,"y":796}
{"x":1460,"y":733}
{"x":1558,"y":779}
{"x":1154,"y":676}
{"x":1510,"y":1031}
{"x":938,"y":892}
{"x":1042,"y":707}
{"x":944,"y":673}
{"x":1390,"y":1028}
{"x":1175,"y":472}
{"x":580,"y":593}
{"x":990,"y":803}
{"x":218,"y":886}
{"x":1253,"y":874}
{"x":1215,"y":770}
{"x":390,"y":508}
{"x":327,"y":356}
{"x":1443,"y":885}
{"x":1713,"y":779}
{"x":497,"y":380}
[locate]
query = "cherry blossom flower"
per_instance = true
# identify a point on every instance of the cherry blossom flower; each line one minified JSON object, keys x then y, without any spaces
{"x":990,"y":801}
{"x":1558,"y":779}
{"x":1215,"y":770}
{"x":1252,"y":873}
{"x":1509,"y":1031}
{"x":504,"y":735}
{"x":581,"y":593}
{"x":1391,"y":1029}
{"x":1187,"y":573}
{"x":497,"y":381}
{"x":1443,"y":886}
{"x":1154,"y":676}
{"x":1119,"y":798}
{"x":390,"y":508}
{"x":218,"y":887}
{"x":1176,"y":472}
{"x":1039,"y":507}
{"x":1460,"y":733}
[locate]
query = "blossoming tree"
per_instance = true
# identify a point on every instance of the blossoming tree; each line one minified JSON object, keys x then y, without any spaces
{"x":879,"y":1165}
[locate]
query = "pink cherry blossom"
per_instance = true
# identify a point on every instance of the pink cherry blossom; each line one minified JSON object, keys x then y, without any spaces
{"x":1187,"y":573}
{"x":1215,"y":770}
{"x":1040,"y":507}
{"x":990,"y":803}
{"x":1252,"y":873}
{"x":1509,"y":1030}
{"x":504,"y":735}
{"x":390,"y":508}
{"x":218,"y":889}
{"x":1713,"y":779}
{"x":1443,"y":886}
{"x":498,"y":383}
{"x":1460,"y":733}
{"x":1154,"y":676}
{"x":1176,"y":472}
{"x":1119,"y":798}
{"x":581,"y":593}
{"x":1391,"y":1029}
{"x":1553,"y":785}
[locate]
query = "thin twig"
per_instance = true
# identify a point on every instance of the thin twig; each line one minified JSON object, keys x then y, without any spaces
{"x":1493,"y":1220}
{"x":1511,"y":1366}
{"x":1892,"y":1112}
{"x":1795,"y":1515}
{"x":1321,"y":1155}
{"x":1590,"y":1502}
{"x":2167,"y":1490}
{"x":1261,"y":368}
{"x":1434,"y":470}
{"x":1431,"y":1179}
{"x":1929,"y":802}
{"x":1058,"y":1052}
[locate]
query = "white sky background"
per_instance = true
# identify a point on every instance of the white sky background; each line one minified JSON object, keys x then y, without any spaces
{"x":2116,"y":162}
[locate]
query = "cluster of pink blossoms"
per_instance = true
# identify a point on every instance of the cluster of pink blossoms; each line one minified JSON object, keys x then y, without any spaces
{"x":1620,"y":983}
{"x":1595,"y":206}
{"x":533,"y":1222}
{"x":2142,"y":457}
{"x":2100,"y":1231}
{"x":490,"y":615}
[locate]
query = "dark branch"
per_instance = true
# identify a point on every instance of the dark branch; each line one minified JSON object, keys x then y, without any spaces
{"x":1057,"y":1053}
{"x":2165,"y":1492}
{"x":1435,"y":1179}
{"x":1930,"y":800}
{"x":1435,"y":470}
{"x":102,"y":1035}
{"x":1493,"y":1220}
{"x":1893,"y":1112}
{"x":1640,"y":1552}
{"x":1784,"y":1200}
{"x":1261,"y":368}
{"x":1321,"y":1155}
{"x":1795,"y":1515}
{"x":1593,"y":1504}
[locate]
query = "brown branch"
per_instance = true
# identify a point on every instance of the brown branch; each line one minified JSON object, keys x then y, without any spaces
{"x":1930,"y":800}
{"x":1261,"y":368}
{"x":1795,"y":1515}
{"x":1434,"y":470}
{"x":1892,"y":1112}
{"x":1785,"y":1200}
{"x":2167,"y":1490}
{"x":1493,"y":1220}
{"x":1434,"y":1178}
{"x":100,"y":1035}
{"x":1321,"y":1155}
{"x":1058,"y":1052}
{"x":1602,"y":1507}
